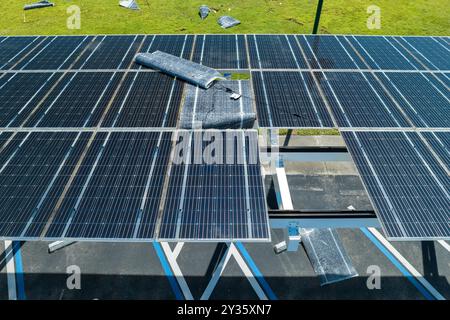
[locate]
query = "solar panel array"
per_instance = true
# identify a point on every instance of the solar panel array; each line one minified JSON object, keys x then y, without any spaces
{"x":110,"y":185}
{"x":345,"y":81}
{"x":409,"y":187}
{"x":87,"y":97}
{"x":86,"y":138}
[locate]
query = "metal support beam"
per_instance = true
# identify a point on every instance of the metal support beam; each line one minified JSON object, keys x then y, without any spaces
{"x":317,"y":20}
{"x":317,"y":157}
{"x":284,"y":199}
{"x":317,"y":223}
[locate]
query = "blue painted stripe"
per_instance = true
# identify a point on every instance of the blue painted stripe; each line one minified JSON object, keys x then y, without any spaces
{"x":169,"y":274}
{"x":397,"y":263}
{"x":258,"y":275}
{"x":20,"y":283}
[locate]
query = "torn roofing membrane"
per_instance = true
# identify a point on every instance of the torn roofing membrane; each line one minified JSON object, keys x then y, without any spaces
{"x":189,"y":71}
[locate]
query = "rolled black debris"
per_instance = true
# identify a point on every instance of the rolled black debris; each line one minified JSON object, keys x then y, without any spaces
{"x":38,"y":5}
{"x":228,"y":22}
{"x":189,"y":71}
{"x":203,"y":11}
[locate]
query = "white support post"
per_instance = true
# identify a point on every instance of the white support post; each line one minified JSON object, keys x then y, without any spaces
{"x":52,"y":247}
{"x":284,"y":196}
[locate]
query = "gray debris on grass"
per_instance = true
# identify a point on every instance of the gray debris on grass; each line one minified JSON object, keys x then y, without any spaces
{"x":228,"y":22}
{"x":129,"y":4}
{"x":204,"y":11}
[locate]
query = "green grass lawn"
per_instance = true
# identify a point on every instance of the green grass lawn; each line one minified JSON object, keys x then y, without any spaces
{"x":401,"y":17}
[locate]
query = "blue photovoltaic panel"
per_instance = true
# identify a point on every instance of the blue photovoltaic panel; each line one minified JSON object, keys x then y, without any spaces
{"x":148,"y":99}
{"x":289,"y":99}
{"x":60,"y":53}
{"x":4,"y":77}
{"x":440,"y":82}
{"x":431,"y":52}
{"x":384,"y":53}
{"x":408,"y":187}
{"x":78,"y":101}
{"x":444,"y":77}
{"x":20,"y":94}
{"x":440,"y":142}
{"x":357,"y":100}
{"x":330,"y":52}
{"x":4,"y":136}
{"x":110,"y":52}
{"x":220,"y":197}
{"x":275,"y":52}
{"x":29,"y":52}
{"x":13,"y":47}
{"x":444,"y":40}
{"x":32,"y":178}
{"x":221,"y":51}
{"x":117,"y":189}
{"x":178,"y":45}
{"x":424,"y":103}
{"x":9,"y":145}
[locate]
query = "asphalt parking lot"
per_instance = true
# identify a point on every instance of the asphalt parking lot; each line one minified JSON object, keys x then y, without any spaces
{"x":134,"y":271}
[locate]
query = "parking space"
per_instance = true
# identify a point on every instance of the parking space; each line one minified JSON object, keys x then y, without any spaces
{"x":108,"y":271}
{"x":291,"y":275}
{"x":134,"y":271}
{"x":431,"y":259}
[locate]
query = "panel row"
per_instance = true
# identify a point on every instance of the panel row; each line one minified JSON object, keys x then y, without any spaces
{"x":229,"y":51}
{"x":283,"y":99}
{"x":409,"y":187}
{"x":110,"y":186}
{"x":89,"y":99}
{"x":355,"y":99}
{"x":86,"y":52}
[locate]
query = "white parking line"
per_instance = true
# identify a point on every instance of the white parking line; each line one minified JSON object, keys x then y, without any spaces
{"x":176,"y":271}
{"x":254,"y":283}
{"x":10,"y":270}
{"x":406,"y":264}
{"x":217,"y":274}
{"x":445,"y":245}
{"x":177,"y":249}
{"x":232,"y":251}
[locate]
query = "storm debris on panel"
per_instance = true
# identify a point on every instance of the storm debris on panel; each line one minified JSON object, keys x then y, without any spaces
{"x":186,"y":70}
{"x":226,"y":105}
{"x":228,"y":22}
